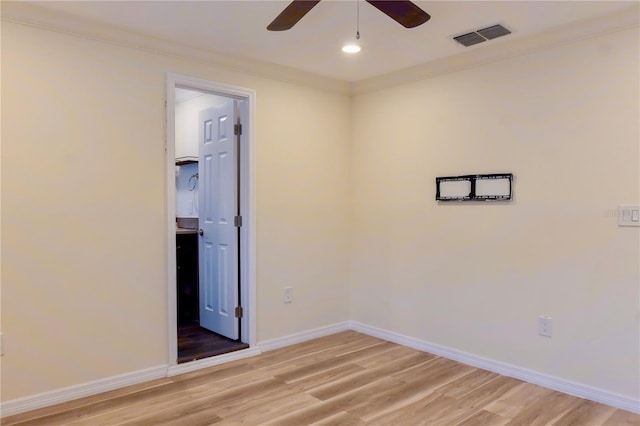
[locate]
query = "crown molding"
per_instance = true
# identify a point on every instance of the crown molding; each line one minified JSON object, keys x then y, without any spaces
{"x":24,"y":13}
{"x":39,"y":17}
{"x":581,"y":30}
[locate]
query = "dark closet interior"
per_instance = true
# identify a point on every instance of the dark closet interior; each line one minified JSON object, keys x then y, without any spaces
{"x":194,"y":342}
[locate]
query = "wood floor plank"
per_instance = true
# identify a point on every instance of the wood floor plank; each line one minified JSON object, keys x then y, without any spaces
{"x":239,"y":395}
{"x":123,"y":414}
{"x":174,"y":412}
{"x":108,"y":405}
{"x":438,"y":408}
{"x":434,"y":373}
{"x":390,"y":399}
{"x":359,"y":354}
{"x":345,"y":379}
{"x":587,"y":413}
{"x":327,"y":408}
{"x":385,"y":357}
{"x":434,"y":409}
{"x":326,"y":376}
{"x":302,"y":361}
{"x":356,"y":344}
{"x":484,"y":418}
{"x":258,"y":403}
{"x":467,"y":383}
{"x":251,"y":375}
{"x":298,"y":373}
{"x":250,"y":398}
{"x":340,"y":419}
{"x":308,"y":415}
{"x":312,"y":368}
{"x":367,"y":376}
{"x":65,"y":407}
{"x":364,"y":394}
{"x":340,"y":341}
{"x":545,"y":410}
{"x":483,"y":394}
{"x":623,"y":418}
{"x":276,"y":409}
{"x":200,"y":418}
{"x":350,"y":353}
{"x":514,"y":401}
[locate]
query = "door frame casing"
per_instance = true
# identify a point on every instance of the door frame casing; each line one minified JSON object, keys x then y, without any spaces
{"x":247,"y":203}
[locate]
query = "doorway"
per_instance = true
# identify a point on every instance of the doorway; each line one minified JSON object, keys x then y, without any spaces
{"x":210,"y":204}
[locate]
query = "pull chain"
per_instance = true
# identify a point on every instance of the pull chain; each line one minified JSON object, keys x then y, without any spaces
{"x":357,"y":19}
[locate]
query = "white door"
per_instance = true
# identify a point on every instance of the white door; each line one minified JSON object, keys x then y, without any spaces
{"x":218,"y":242}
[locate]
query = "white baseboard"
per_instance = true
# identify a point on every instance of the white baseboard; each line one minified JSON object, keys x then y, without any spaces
{"x":537,"y":378}
{"x":58,"y":396}
{"x":34,"y":402}
{"x":292,"y":339}
{"x":46,"y":399}
{"x":188,"y":367}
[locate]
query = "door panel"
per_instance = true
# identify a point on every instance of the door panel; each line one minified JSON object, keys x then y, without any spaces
{"x":218,"y":207}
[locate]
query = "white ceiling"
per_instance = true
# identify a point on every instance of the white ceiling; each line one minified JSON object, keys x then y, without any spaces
{"x":238,"y":28}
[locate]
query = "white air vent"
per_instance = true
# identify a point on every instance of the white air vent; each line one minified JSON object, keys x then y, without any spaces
{"x":479,"y":36}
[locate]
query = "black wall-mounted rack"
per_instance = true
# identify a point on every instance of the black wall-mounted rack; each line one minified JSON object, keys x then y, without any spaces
{"x":475,"y":187}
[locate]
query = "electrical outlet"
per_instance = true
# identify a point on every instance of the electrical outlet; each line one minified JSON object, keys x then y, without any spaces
{"x":288,"y":295}
{"x":545,"y":325}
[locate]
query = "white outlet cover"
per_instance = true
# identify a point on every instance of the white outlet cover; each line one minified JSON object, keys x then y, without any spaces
{"x":288,"y":295}
{"x":545,"y":326}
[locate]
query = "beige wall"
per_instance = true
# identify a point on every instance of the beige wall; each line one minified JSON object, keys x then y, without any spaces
{"x":83,"y":198}
{"x":83,"y":209}
{"x":475,"y":277}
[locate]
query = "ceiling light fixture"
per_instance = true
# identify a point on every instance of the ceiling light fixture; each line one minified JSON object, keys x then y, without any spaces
{"x":351,"y":48}
{"x":354,"y":47}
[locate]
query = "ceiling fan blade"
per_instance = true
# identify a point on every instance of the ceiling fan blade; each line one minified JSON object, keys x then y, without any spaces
{"x":292,"y":14}
{"x":405,"y":13}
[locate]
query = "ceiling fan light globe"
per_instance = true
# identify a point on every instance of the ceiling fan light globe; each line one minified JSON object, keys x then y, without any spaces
{"x":351,"y":48}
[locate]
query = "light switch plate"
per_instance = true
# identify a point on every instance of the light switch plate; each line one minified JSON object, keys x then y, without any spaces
{"x":629,"y":216}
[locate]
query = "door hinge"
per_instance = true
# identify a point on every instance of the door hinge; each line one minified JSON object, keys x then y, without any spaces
{"x":237,"y":221}
{"x":239,"y":312}
{"x":237,"y":129}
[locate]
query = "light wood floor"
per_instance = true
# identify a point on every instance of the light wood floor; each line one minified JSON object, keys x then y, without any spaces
{"x":345,"y":379}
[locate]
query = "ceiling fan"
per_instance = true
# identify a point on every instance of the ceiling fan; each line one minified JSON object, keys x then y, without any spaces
{"x":406,"y":13}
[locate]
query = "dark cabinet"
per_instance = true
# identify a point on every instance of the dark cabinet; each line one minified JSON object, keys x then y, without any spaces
{"x":187,"y":277}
